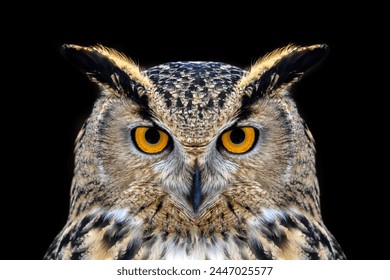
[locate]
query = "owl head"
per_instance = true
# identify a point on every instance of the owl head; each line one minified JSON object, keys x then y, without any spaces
{"x":195,"y":133}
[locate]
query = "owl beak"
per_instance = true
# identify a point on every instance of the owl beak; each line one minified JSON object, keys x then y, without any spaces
{"x":196,"y":190}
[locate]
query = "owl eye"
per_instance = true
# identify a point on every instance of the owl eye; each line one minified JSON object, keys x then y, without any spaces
{"x":150,"y":140}
{"x":239,"y":140}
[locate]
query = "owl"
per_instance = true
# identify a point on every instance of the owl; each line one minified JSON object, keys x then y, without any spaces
{"x":194,"y":160}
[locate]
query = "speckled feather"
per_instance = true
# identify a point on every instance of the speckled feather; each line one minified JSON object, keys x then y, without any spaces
{"x":263,"y":204}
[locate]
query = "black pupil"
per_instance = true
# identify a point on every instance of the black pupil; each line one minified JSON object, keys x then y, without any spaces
{"x":237,"y":136}
{"x":152,"y":136}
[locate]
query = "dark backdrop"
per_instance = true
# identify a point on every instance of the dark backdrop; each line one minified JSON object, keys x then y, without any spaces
{"x":46,"y":100}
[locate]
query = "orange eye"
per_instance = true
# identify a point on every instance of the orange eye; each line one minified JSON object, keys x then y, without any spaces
{"x":150,"y":140}
{"x":239,"y":140}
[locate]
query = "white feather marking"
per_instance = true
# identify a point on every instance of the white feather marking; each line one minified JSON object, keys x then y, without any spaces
{"x":200,"y":251}
{"x":120,"y":215}
{"x":295,"y":211}
{"x":270,"y":214}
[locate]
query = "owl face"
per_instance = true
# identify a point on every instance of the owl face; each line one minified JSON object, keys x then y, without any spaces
{"x":193,"y":139}
{"x":195,"y":130}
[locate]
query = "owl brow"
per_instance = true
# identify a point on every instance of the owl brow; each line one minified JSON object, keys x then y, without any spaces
{"x":147,"y":115}
{"x":145,"y":112}
{"x":244,"y":113}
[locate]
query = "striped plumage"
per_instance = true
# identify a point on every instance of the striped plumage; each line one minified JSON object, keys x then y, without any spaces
{"x":195,"y":160}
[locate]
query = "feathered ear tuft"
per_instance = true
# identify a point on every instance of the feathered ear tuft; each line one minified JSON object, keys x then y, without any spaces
{"x":280,"y":69}
{"x":110,"y":69}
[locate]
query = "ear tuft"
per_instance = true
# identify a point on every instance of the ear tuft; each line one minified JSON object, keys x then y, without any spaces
{"x":280,"y":69}
{"x":108,"y":68}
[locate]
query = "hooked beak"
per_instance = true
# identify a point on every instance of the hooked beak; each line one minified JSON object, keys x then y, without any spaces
{"x":196,"y":190}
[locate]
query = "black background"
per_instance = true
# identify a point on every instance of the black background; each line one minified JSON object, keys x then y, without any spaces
{"x":46,"y":100}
